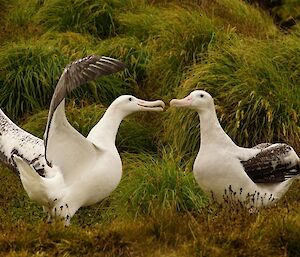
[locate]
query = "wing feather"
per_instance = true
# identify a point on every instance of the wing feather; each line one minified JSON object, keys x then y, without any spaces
{"x":76,"y":74}
{"x":275,"y":163}
{"x":14,"y":140}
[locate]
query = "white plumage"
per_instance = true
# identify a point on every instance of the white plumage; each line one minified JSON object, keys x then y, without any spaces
{"x":254,"y":176}
{"x":71,"y":171}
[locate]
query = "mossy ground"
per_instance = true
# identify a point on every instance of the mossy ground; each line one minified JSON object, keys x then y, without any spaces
{"x":230,"y":48}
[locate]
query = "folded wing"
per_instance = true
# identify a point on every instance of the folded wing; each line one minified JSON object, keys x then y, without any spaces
{"x":275,"y":163}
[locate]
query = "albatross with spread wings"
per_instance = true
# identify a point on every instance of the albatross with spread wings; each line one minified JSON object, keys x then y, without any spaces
{"x":67,"y":170}
{"x":254,"y":177}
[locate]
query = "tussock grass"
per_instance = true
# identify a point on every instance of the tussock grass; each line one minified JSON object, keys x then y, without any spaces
{"x":74,"y":45}
{"x":22,"y":12}
{"x":133,"y":53}
{"x":28,"y":75}
{"x":94,"y":17}
{"x":255,"y":93}
{"x":3,"y":6}
{"x":245,"y":19}
{"x":17,"y":20}
{"x":152,"y":186}
{"x":288,"y":9}
{"x":175,"y":37}
{"x":30,"y":70}
{"x":286,"y":13}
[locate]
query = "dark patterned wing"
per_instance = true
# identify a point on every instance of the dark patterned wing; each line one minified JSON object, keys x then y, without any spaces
{"x":16,"y":141}
{"x":273,"y":164}
{"x":78,"y":73}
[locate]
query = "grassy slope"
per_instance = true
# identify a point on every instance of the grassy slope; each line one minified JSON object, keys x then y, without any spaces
{"x":230,"y":48}
{"x":213,"y":231}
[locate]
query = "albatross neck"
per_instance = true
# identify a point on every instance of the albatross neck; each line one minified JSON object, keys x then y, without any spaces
{"x":105,"y":131}
{"x":211,"y":130}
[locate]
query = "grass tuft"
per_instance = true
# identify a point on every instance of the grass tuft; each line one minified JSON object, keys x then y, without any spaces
{"x":22,"y":12}
{"x":93,"y":17}
{"x":30,"y":70}
{"x":28,"y":75}
{"x":152,"y":186}
{"x":134,"y":54}
{"x":174,"y":36}
{"x":245,"y":19}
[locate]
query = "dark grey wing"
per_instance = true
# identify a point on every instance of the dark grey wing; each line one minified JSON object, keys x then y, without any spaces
{"x":273,"y":164}
{"x":78,"y":73}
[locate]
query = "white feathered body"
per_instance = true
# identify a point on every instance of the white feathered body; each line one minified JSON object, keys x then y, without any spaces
{"x":253,"y":177}
{"x":102,"y":177}
{"x":219,"y":173}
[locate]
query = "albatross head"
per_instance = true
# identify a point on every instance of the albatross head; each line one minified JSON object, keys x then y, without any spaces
{"x":198,"y":100}
{"x":130,"y":104}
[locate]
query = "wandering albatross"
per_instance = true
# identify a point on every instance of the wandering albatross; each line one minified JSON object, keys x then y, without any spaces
{"x":253,"y":177}
{"x":67,"y":171}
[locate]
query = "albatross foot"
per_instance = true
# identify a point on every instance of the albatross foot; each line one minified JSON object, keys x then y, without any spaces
{"x":61,"y":212}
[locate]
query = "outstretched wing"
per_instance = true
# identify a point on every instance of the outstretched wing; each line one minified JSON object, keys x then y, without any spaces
{"x":274,"y":164}
{"x":64,"y":145}
{"x":78,"y":73}
{"x":14,"y":140}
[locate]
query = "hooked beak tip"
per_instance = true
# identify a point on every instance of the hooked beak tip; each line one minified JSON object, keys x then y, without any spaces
{"x":173,"y":102}
{"x":157,"y":105}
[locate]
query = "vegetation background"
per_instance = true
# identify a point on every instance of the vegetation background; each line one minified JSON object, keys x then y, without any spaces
{"x":245,"y":53}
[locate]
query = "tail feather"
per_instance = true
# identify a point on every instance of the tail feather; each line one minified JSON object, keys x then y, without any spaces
{"x":32,"y":182}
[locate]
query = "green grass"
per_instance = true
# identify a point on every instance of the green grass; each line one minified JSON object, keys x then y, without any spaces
{"x":94,"y":17}
{"x":28,"y":74}
{"x":132,"y":52}
{"x":72,"y":44}
{"x":22,"y":12}
{"x":166,"y":36}
{"x":17,"y":20}
{"x":30,"y":70}
{"x":3,"y":5}
{"x":154,"y":185}
{"x":245,"y":19}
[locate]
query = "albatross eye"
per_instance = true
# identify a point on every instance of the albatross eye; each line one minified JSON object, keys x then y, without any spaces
{"x":201,"y":95}
{"x":130,"y":99}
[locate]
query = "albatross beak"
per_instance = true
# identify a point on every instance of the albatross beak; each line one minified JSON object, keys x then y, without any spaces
{"x":181,"y":102}
{"x":157,"y":105}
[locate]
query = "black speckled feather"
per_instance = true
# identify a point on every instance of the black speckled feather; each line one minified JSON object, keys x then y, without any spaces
{"x":271,"y":165}
{"x":16,"y":141}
